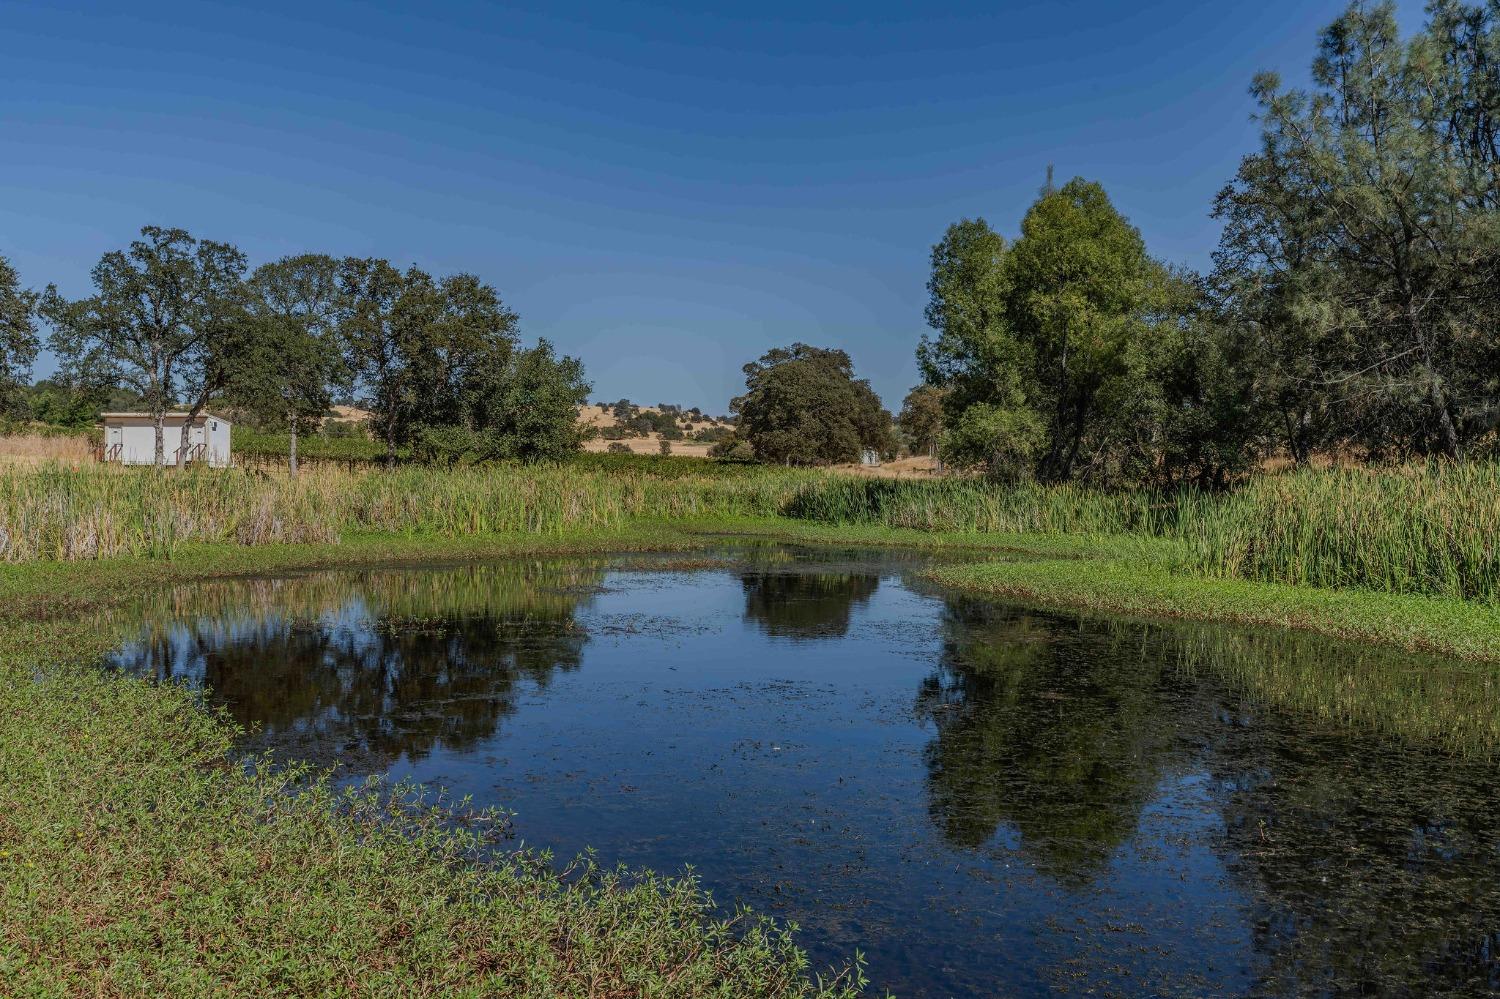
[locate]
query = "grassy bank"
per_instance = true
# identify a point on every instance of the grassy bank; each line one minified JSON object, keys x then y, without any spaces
{"x":1141,"y":577}
{"x":138,"y":857}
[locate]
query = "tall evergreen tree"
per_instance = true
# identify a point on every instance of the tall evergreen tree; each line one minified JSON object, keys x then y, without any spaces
{"x":1078,"y":295}
{"x":975,"y":357}
{"x":1045,"y":347}
{"x":1369,"y":216}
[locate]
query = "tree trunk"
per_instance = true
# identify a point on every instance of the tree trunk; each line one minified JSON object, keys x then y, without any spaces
{"x":1080,"y":415}
{"x":291,"y":446}
{"x":1296,"y":436}
{"x":161,"y":393}
{"x":1447,"y":432}
{"x":182,"y":450}
{"x":199,"y":405}
{"x":1054,"y":453}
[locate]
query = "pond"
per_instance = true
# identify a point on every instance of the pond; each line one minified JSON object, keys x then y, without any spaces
{"x":983,"y":798}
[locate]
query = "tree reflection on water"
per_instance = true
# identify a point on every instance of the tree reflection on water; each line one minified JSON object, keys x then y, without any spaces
{"x":1371,"y":865}
{"x":800,"y":604}
{"x":374,"y":666}
{"x":1038,"y":731}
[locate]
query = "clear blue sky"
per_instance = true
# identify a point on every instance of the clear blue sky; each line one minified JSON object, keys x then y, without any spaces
{"x":663,"y":191}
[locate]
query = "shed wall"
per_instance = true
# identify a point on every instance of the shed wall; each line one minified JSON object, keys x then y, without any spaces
{"x":136,"y":440}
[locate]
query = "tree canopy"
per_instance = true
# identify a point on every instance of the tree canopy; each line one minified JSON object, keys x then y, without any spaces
{"x":18,"y":339}
{"x":1352,"y":306}
{"x":526,"y":410}
{"x":164,"y":315}
{"x":1046,"y":349}
{"x":297,"y":363}
{"x":921,"y":419}
{"x":802,"y":405}
{"x":1362,"y":240}
{"x":438,"y":362}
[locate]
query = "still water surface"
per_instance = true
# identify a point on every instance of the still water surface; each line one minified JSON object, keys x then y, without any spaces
{"x":984,"y":799}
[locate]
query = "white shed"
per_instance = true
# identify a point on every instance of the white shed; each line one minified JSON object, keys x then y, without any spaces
{"x":130,"y":438}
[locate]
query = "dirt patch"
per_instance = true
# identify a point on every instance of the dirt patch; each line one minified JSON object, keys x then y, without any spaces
{"x":920,"y":467}
{"x":649,"y":445}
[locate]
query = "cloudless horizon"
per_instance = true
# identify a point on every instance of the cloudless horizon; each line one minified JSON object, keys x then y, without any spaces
{"x":663,"y":191}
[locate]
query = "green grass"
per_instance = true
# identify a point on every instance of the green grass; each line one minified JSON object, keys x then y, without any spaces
{"x":1449,"y":627}
{"x":1428,"y":529}
{"x":975,"y":506}
{"x":1314,"y":534}
{"x":1143,"y":577}
{"x":364,"y":450}
{"x":137,"y":856}
{"x":40,"y":589}
{"x":55,"y":513}
{"x":676,"y":466}
{"x":1420,"y":702}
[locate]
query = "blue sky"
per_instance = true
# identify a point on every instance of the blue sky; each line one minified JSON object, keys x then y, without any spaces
{"x":663,"y":190}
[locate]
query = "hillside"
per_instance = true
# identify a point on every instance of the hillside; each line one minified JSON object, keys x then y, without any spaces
{"x":602,"y":418}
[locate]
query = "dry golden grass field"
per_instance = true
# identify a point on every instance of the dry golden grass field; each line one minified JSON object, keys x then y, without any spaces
{"x":37,"y":449}
{"x":599,"y":417}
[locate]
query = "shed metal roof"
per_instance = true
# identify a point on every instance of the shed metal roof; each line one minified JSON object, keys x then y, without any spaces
{"x":166,"y":416}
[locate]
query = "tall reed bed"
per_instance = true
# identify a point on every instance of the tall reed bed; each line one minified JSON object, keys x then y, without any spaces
{"x":973,"y":505}
{"x":1425,"y":529}
{"x":103,"y":511}
{"x":1419,"y":530}
{"x":31,"y":448}
{"x":98,"y":511}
